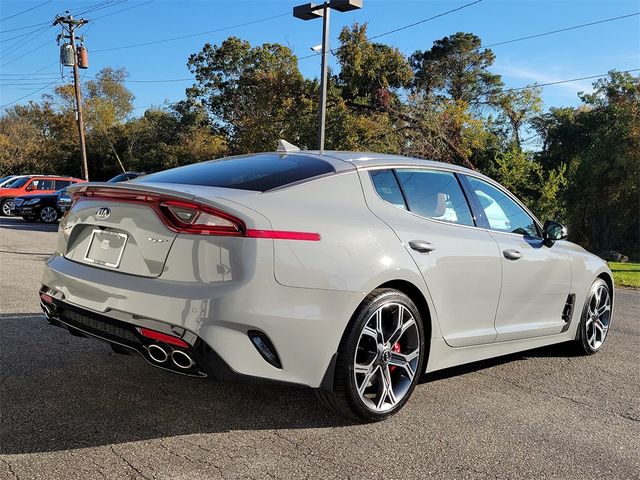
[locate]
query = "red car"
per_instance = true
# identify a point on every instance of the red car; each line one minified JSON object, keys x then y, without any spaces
{"x":31,"y":184}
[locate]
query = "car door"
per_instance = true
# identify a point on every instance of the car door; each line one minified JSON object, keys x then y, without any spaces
{"x":536,"y":278}
{"x":459,"y":262}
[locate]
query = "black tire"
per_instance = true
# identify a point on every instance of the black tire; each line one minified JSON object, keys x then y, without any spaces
{"x":345,"y":398}
{"x":585,"y":329}
{"x":4,"y":207}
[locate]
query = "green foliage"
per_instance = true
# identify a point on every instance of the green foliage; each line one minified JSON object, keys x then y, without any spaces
{"x":456,"y":66}
{"x":625,"y":274}
{"x":441,"y":103}
{"x":254,"y":95}
{"x":600,"y":144}
{"x":370,"y":72}
{"x":537,"y":188}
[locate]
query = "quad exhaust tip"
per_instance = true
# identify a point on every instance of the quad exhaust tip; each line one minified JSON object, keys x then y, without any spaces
{"x":157,"y":353}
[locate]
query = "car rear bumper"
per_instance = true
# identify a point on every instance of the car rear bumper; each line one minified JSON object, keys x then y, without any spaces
{"x":304,"y":326}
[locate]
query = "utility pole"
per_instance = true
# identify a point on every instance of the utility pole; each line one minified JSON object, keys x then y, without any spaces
{"x":69,"y":25}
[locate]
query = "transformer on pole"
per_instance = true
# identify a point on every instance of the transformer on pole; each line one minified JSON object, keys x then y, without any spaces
{"x":76,"y":57}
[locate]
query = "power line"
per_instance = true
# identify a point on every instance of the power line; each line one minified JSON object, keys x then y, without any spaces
{"x":425,"y":20}
{"x":25,"y":27}
{"x":25,"y":11}
{"x":122,"y":10}
{"x":155,"y":42}
{"x":539,"y":85}
{"x":574,"y":27}
{"x":29,"y":94}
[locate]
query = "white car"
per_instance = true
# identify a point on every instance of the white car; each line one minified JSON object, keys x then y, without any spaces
{"x":350,"y":273}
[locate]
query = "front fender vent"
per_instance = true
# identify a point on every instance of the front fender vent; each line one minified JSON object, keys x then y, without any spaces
{"x":567,"y":312}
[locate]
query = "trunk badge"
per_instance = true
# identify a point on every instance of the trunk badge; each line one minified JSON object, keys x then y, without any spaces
{"x":103,"y":213}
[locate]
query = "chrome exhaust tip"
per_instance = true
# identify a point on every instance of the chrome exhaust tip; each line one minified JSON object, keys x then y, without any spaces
{"x":157,"y":353}
{"x":182,"y":359}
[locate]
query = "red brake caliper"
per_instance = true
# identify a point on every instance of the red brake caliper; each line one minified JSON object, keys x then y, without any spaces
{"x":395,"y":348}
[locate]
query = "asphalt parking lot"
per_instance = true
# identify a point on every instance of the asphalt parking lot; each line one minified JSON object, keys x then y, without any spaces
{"x":72,"y":409}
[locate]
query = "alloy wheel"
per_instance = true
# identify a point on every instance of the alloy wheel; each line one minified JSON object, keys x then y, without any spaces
{"x":387,"y":357}
{"x":6,"y":208}
{"x":598,"y":316}
{"x":49,"y":214}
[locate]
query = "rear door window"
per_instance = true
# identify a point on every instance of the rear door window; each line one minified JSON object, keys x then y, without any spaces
{"x":435,"y":194}
{"x":251,"y":172}
{"x":62,"y":183}
{"x":42,"y":184}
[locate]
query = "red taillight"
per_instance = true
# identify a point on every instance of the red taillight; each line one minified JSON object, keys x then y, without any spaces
{"x":183,"y":216}
{"x":180,"y":216}
{"x":194,"y":218}
{"x":283,"y":235}
{"x":162,"y":337}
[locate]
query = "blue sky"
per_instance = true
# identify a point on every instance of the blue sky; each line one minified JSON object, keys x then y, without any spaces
{"x":577,"y":53}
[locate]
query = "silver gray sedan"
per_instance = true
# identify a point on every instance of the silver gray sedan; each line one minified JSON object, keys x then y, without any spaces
{"x":350,"y":273}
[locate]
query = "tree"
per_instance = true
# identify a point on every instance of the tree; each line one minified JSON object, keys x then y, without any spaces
{"x":600,"y":143}
{"x":456,"y":67}
{"x":518,"y":107}
{"x":254,"y":95}
{"x":370,"y":73}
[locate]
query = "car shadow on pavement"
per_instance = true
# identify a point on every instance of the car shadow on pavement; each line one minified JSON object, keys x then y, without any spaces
{"x":16,"y":223}
{"x":59,"y":392}
{"x":561,"y":350}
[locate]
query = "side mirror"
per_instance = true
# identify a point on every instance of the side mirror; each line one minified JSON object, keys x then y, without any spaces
{"x":29,"y":188}
{"x":553,"y":231}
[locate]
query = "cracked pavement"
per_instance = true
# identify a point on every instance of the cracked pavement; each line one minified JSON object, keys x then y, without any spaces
{"x":72,"y":409}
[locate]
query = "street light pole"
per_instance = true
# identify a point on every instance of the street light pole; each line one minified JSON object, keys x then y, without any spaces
{"x":322,"y":116}
{"x":309,"y":11}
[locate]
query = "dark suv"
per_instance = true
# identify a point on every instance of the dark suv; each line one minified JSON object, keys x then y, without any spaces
{"x":39,"y":206}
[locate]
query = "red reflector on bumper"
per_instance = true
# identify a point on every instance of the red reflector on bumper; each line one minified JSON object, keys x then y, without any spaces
{"x":46,"y":298}
{"x":283,"y":235}
{"x":162,"y":337}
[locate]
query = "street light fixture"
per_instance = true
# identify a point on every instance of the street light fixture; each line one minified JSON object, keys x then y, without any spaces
{"x":309,"y":11}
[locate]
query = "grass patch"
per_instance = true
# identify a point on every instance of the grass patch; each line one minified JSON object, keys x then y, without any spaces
{"x":625,"y":274}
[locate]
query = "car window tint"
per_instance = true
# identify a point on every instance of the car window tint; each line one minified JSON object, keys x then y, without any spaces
{"x":387,"y":187}
{"x":42,"y":184}
{"x":503,"y":214}
{"x":62,"y":183}
{"x":436,"y":195}
{"x":249,"y":172}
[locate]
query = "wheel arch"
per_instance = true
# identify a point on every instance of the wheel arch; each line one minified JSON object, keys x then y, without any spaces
{"x":609,"y":281}
{"x":416,"y":296}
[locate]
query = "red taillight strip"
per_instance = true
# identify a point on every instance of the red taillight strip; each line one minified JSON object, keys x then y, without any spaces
{"x":162,"y":337}
{"x":283,"y":235}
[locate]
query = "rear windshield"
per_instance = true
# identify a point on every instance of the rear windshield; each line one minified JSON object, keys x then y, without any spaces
{"x":252,"y":172}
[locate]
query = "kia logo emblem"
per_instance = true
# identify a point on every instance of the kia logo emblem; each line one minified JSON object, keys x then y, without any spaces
{"x":103,"y":213}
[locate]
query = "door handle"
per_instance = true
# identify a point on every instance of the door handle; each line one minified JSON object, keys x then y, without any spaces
{"x":421,"y":246}
{"x":511,"y":254}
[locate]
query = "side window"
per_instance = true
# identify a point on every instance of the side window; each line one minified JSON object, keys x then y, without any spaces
{"x":503,"y":214}
{"x":42,"y":184}
{"x":387,"y":187}
{"x":435,"y":194}
{"x":62,"y":183}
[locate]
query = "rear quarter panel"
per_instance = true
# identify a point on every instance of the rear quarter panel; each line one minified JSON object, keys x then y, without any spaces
{"x":356,"y":251}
